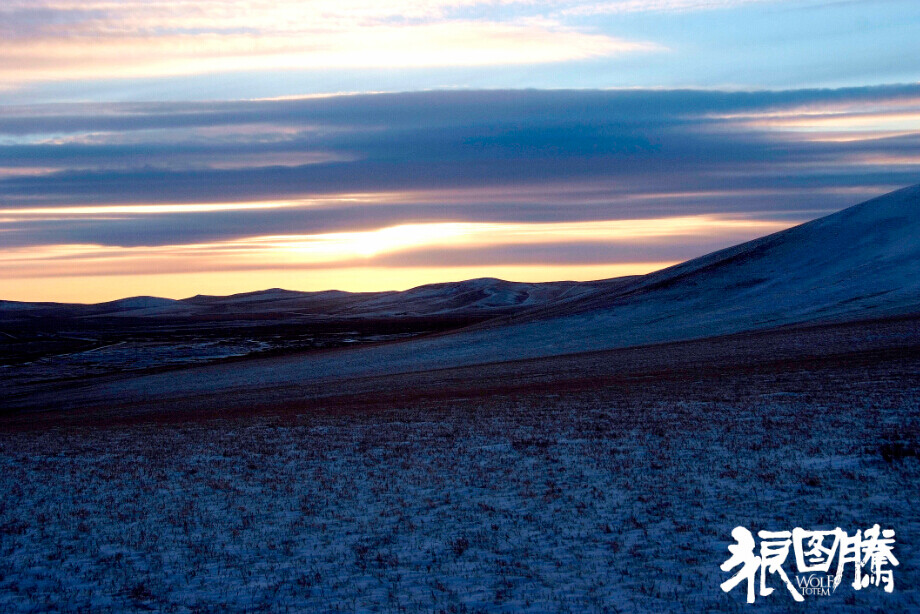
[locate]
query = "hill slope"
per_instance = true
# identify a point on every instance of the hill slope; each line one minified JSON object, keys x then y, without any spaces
{"x":862,"y":262}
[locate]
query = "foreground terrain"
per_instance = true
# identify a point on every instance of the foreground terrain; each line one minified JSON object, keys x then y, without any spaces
{"x":600,"y":482}
{"x":488,"y":446}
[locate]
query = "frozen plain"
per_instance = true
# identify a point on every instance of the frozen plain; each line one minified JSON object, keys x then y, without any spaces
{"x":600,"y":488}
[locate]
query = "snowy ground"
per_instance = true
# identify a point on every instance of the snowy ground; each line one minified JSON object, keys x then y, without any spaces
{"x":601,"y":498}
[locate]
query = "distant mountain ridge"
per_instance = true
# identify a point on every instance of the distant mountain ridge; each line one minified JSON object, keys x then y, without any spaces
{"x":479,"y":297}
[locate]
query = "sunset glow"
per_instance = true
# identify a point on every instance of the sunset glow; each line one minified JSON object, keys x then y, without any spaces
{"x":362,"y":250}
{"x":182,"y":147}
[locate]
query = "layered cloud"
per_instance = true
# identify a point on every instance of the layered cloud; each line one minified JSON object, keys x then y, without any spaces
{"x":399,"y":186}
{"x":79,"y":40}
{"x":69,"y":50}
{"x":60,"y":40}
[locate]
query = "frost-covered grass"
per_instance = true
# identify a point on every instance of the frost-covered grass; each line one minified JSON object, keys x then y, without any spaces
{"x":605,"y":499}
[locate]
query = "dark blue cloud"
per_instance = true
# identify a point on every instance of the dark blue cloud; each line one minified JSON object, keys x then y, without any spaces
{"x":435,"y":109}
{"x":549,"y":145}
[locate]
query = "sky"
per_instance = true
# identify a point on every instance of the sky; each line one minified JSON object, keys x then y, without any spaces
{"x":185,"y":147}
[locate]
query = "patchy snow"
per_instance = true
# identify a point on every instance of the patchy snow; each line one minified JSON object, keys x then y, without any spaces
{"x":139,"y":302}
{"x":600,"y":501}
{"x":472,"y":296}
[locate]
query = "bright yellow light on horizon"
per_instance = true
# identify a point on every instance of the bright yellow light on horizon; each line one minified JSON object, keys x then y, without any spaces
{"x":353,"y":261}
{"x":331,"y":247}
{"x":100,"y":288}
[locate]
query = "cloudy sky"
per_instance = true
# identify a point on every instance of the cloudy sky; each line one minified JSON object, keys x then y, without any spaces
{"x":215,"y":146}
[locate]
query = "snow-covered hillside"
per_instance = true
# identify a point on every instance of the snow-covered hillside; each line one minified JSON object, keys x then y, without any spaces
{"x":863,"y":262}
